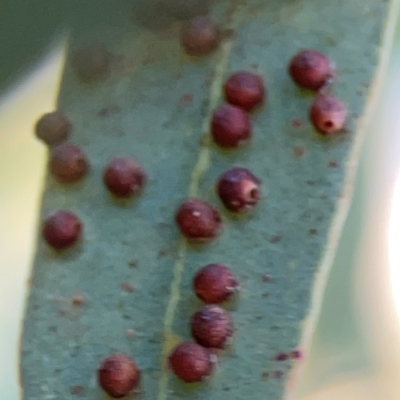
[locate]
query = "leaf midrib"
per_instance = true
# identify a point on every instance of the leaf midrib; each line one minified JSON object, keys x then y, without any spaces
{"x":233,"y":16}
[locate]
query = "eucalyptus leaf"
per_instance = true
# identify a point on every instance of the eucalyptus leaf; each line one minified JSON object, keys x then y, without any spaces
{"x":154,"y":104}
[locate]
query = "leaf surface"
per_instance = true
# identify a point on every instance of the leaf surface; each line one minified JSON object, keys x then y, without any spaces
{"x":156,"y":107}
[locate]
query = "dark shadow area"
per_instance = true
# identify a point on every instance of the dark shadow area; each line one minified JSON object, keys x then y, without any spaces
{"x":27,"y":28}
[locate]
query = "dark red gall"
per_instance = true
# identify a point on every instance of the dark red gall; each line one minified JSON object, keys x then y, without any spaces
{"x":191,"y":362}
{"x":245,"y":90}
{"x":230,"y":126}
{"x":68,"y":163}
{"x":92,"y":64}
{"x":310,"y":69}
{"x":53,"y":128}
{"x":62,"y":229}
{"x":328,"y":114}
{"x":124,"y":177}
{"x":118,"y":375}
{"x":214,"y":283}
{"x":212,"y":327}
{"x":198,"y":220}
{"x":239,"y":189}
{"x":199,"y":36}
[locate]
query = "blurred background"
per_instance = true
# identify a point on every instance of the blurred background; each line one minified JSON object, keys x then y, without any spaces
{"x":356,"y":346}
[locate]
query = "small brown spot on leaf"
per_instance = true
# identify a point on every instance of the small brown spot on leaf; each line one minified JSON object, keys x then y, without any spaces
{"x":133,"y":264}
{"x":255,"y":66}
{"x":186,"y":99}
{"x":297,"y":123}
{"x":265,"y":375}
{"x":266,"y":277}
{"x":76,"y":389}
{"x":281,"y":357}
{"x":107,"y":111}
{"x":104,"y":112}
{"x":312,"y":231}
{"x":296,"y":354}
{"x":274,"y":328}
{"x":127,"y":287}
{"x":333,"y":164}
{"x":278,"y":374}
{"x":265,"y":294}
{"x":78,"y":299}
{"x":299,"y":151}
{"x":162,"y":253}
{"x":62,"y":313}
{"x":275,"y":239}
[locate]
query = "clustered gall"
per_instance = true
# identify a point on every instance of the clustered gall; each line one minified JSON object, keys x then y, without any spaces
{"x":62,"y":229}
{"x":53,"y":128}
{"x":214,"y":283}
{"x":245,"y":90}
{"x":239,"y":189}
{"x":124,"y":177}
{"x":118,"y":375}
{"x":67,"y":163}
{"x":310,"y":69}
{"x":191,"y":362}
{"x":212,"y":327}
{"x":198,"y":220}
{"x":199,"y":36}
{"x":230,"y":126}
{"x":328,"y":114}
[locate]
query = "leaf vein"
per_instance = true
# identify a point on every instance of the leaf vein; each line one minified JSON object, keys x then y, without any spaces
{"x":201,"y":166}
